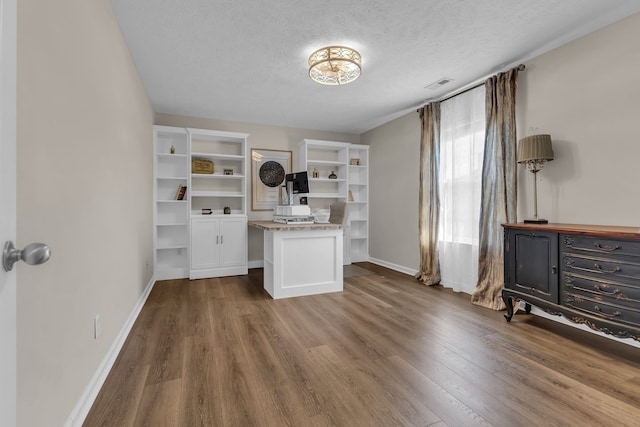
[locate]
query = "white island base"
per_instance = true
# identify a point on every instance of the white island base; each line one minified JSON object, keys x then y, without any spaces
{"x":301,"y":259}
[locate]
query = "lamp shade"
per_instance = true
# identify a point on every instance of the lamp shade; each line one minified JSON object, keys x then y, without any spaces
{"x":535,"y":148}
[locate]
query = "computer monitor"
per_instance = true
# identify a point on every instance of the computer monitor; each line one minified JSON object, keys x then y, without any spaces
{"x":300,"y":182}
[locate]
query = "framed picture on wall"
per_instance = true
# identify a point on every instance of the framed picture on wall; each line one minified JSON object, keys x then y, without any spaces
{"x":268,"y":170}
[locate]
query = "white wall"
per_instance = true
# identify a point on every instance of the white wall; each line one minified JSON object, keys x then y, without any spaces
{"x":84,"y":188}
{"x":394,"y":172}
{"x":586,"y":94}
{"x":260,"y":136}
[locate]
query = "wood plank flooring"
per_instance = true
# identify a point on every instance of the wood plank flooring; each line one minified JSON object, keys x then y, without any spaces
{"x":385,"y":352}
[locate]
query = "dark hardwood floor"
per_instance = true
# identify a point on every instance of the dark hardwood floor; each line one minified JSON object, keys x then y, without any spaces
{"x":385,"y":352}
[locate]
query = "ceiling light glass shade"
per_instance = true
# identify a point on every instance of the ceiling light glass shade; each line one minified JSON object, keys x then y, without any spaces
{"x":335,"y":65}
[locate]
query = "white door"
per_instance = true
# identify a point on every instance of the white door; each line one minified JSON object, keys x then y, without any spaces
{"x":7,"y":209}
{"x":233,"y":235}
{"x":205,"y":243}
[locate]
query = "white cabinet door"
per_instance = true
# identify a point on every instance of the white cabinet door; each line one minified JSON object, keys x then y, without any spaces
{"x":8,"y":169}
{"x":205,"y":243}
{"x":233,"y":234}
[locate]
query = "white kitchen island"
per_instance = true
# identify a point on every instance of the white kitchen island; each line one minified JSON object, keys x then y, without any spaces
{"x":301,"y":259}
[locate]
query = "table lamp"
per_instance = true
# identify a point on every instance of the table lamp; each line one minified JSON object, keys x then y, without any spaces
{"x":534,"y":151}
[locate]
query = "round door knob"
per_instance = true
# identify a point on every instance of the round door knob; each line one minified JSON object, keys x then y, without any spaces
{"x":32,"y":254}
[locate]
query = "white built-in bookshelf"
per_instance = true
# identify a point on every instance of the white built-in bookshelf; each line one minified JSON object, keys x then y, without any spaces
{"x":350,"y":165}
{"x":170,"y":216}
{"x":205,"y":233}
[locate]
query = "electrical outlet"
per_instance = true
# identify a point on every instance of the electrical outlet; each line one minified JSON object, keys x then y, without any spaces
{"x":97,"y":328}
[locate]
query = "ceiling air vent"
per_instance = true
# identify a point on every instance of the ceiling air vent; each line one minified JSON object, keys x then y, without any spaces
{"x":435,"y":85}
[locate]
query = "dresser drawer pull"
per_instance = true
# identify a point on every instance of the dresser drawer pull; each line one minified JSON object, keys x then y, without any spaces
{"x":597,"y":247}
{"x":606,"y":248}
{"x":616,"y":293}
{"x":609,"y":316}
{"x":599,"y":268}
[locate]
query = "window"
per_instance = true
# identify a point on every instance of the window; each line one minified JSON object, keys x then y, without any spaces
{"x":462,"y":129}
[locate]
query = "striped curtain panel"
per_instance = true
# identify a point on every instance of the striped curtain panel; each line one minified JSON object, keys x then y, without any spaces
{"x":429,"y":272}
{"x":498,"y":200}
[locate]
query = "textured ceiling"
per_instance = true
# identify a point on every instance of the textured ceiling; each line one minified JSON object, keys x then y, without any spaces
{"x":247,"y":60}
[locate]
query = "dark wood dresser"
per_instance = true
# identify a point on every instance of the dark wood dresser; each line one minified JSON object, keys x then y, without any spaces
{"x":590,"y":274}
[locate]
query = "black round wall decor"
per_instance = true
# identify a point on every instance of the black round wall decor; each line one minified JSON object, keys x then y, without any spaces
{"x":271,"y":173}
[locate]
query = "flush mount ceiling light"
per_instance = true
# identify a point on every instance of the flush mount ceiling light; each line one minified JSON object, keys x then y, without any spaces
{"x":335,"y":65}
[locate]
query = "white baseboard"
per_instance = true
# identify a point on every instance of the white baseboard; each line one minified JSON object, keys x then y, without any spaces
{"x":392,"y":266}
{"x":82,"y":408}
{"x":256,"y":264}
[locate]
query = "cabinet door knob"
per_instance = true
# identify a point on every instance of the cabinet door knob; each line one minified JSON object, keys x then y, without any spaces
{"x":554,"y":269}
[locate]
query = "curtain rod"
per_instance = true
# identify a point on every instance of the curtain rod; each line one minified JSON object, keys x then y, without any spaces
{"x":520,"y":67}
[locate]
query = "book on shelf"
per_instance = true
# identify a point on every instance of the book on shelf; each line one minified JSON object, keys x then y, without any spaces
{"x":182,"y":190}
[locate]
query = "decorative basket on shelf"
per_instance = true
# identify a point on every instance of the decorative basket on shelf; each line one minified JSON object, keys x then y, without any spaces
{"x":201,"y":166}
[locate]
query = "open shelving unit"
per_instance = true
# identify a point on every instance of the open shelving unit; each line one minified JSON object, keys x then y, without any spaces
{"x":227,"y":151}
{"x":358,"y":201}
{"x":170,"y":216}
{"x":325,"y":157}
{"x":351,"y":186}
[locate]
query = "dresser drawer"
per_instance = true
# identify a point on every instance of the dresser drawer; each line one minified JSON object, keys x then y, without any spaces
{"x":601,"y":309}
{"x":602,"y":246}
{"x":601,"y":290}
{"x":607,"y":268}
